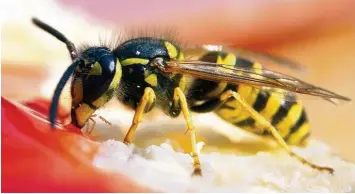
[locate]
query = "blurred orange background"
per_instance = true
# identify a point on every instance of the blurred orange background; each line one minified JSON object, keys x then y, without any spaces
{"x":319,"y":34}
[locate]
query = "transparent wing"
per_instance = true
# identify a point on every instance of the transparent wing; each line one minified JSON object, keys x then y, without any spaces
{"x":268,"y":60}
{"x":262,"y":78}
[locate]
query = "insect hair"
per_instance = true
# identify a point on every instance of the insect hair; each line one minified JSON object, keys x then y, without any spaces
{"x":112,"y":39}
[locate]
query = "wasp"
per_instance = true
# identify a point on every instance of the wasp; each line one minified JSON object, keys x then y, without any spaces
{"x":148,"y":72}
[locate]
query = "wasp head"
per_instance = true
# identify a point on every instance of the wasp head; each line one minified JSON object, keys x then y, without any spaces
{"x":94,"y":82}
{"x":96,"y":73}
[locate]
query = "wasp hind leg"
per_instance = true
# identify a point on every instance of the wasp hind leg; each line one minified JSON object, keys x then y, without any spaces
{"x":146,"y":103}
{"x":179,"y":98}
{"x":259,"y":118}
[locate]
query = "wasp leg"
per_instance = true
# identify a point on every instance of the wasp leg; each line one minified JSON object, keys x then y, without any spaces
{"x":229,"y":94}
{"x":102,"y":119}
{"x":90,"y":129}
{"x":179,"y":96}
{"x":146,"y":103}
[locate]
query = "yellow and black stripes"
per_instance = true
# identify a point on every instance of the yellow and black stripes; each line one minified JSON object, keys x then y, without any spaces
{"x":206,"y":90}
{"x":288,"y":116}
{"x":299,"y":132}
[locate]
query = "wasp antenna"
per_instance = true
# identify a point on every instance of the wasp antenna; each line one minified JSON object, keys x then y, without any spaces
{"x":58,"y":90}
{"x":58,"y":35}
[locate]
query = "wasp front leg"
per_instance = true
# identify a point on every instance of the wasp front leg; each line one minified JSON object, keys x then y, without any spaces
{"x":146,"y":103}
{"x":180,"y":104}
{"x":90,"y":129}
{"x":267,"y":125}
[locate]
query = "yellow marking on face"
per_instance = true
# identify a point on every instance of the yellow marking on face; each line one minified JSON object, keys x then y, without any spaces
{"x":77,"y":92}
{"x":133,"y":61}
{"x":290,"y":120}
{"x":114,"y":83}
{"x":299,"y":134}
{"x":172,"y":50}
{"x":101,"y":100}
{"x":83,"y":114}
{"x":152,"y":80}
{"x":130,"y":70}
{"x":116,"y":79}
{"x":96,"y":69}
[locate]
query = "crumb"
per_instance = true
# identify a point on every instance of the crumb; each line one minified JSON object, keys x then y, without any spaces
{"x":163,"y":169}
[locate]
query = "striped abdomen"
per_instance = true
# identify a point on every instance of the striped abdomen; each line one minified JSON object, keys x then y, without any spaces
{"x":287,"y":116}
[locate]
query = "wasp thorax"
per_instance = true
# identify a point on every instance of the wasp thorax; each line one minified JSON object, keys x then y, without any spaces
{"x":146,"y":48}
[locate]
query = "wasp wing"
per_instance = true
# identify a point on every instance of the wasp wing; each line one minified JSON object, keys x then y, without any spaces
{"x":268,"y":60}
{"x":249,"y":76}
